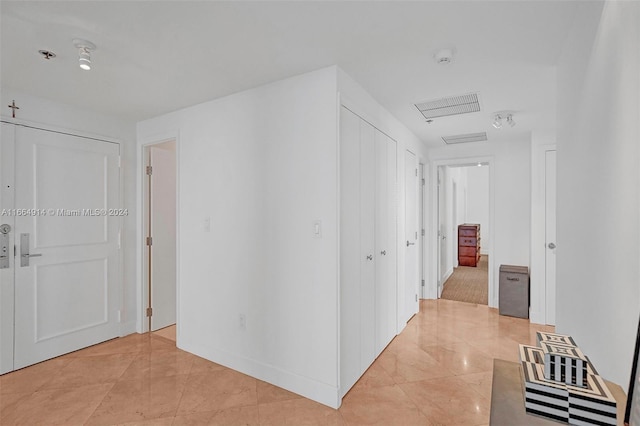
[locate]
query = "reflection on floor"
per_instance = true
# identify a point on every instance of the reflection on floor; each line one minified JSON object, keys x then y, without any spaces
{"x":436,"y":372}
{"x":468,"y":284}
{"x":167,"y":332}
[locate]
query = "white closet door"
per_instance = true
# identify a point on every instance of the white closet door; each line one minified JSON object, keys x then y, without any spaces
{"x":349,"y":249}
{"x":385,"y":218}
{"x":367,"y":245}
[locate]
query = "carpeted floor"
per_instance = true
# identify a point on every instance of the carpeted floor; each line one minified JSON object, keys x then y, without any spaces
{"x":468,"y":284}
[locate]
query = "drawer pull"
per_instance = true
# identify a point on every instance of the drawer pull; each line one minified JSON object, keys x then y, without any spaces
{"x":513,"y":279}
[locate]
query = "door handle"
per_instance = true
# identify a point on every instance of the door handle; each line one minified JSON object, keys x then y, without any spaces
{"x":24,"y":250}
{"x":551,"y":246}
{"x":410,"y":244}
{"x":383,"y":252}
{"x":370,"y":257}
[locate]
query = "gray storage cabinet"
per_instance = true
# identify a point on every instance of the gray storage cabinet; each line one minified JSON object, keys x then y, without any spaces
{"x":514,"y":291}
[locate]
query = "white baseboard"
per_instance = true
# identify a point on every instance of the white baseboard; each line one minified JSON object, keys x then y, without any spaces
{"x":127,"y":328}
{"x":309,"y":388}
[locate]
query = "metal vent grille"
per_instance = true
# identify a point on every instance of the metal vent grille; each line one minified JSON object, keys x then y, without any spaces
{"x":469,"y":137}
{"x":454,"y":105}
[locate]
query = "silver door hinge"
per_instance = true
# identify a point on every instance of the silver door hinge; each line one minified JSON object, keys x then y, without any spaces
{"x":149,"y":170}
{"x":423,"y":233}
{"x":416,"y":297}
{"x":423,"y":181}
{"x":149,"y":312}
{"x":422,"y":283}
{"x":149,"y":241}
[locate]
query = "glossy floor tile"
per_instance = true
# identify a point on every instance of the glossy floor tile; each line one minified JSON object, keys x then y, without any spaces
{"x":438,"y":371}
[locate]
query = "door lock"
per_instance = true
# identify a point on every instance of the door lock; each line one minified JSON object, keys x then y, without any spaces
{"x":4,"y":245}
{"x":551,"y":246}
{"x":410,"y":244}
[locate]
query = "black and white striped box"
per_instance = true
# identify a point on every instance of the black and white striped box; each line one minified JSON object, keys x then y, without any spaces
{"x":544,"y":398}
{"x":566,"y":364}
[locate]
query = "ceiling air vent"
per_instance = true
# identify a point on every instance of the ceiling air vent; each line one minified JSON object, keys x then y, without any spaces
{"x":469,"y":137}
{"x":453,"y":105}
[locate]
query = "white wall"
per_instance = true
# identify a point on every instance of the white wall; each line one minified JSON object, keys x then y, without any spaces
{"x":598,"y":229}
{"x":52,"y":114}
{"x":510,"y":174}
{"x":262,"y":164}
{"x":477,"y":201}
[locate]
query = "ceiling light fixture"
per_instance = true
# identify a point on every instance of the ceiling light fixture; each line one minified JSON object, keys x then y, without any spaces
{"x":498,"y":118}
{"x":84,"y":53}
{"x":497,"y":121}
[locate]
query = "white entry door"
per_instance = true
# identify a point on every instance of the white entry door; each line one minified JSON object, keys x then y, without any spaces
{"x":412,"y":263}
{"x":163,"y":231}
{"x":66,"y":275}
{"x":550,"y":235}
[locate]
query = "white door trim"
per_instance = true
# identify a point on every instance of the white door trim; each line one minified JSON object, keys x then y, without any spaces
{"x":142,"y":325}
{"x":432,"y":285}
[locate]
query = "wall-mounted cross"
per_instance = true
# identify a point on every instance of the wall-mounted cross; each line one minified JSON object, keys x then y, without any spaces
{"x":13,"y":108}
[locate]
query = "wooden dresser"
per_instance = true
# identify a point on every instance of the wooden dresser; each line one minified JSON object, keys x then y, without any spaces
{"x":468,"y":244}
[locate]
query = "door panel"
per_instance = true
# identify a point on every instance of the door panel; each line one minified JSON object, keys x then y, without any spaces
{"x":66,"y":298}
{"x":163,"y":231}
{"x":349,"y":249}
{"x":385,"y":252}
{"x":411,"y":236}
{"x":367,"y":243}
{"x":550,"y":236}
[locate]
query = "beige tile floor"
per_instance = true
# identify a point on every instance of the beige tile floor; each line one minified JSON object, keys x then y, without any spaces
{"x":436,"y":372}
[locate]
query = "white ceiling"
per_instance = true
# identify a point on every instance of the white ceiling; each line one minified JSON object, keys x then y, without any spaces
{"x":156,"y":57}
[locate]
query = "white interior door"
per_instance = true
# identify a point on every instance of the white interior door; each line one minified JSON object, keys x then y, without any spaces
{"x":163,"y":232}
{"x":386,"y":243}
{"x":442,"y":230}
{"x":367,"y":243}
{"x":412,"y":263}
{"x":349,"y":249}
{"x":550,"y":236}
{"x":67,"y":264}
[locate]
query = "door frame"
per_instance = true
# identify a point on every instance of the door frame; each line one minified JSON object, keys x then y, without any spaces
{"x":142,"y":323}
{"x":538,"y":299}
{"x":7,"y":309}
{"x":432,"y":286}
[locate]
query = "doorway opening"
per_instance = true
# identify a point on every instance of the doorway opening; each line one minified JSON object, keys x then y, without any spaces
{"x":160,"y":239}
{"x":464,"y":232}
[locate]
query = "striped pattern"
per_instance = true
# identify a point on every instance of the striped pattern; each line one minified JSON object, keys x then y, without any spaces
{"x":544,"y":398}
{"x":553,"y":338}
{"x":563,"y":360}
{"x":593,"y":404}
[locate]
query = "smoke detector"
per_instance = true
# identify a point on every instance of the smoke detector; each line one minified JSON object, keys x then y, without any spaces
{"x":444,"y":56}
